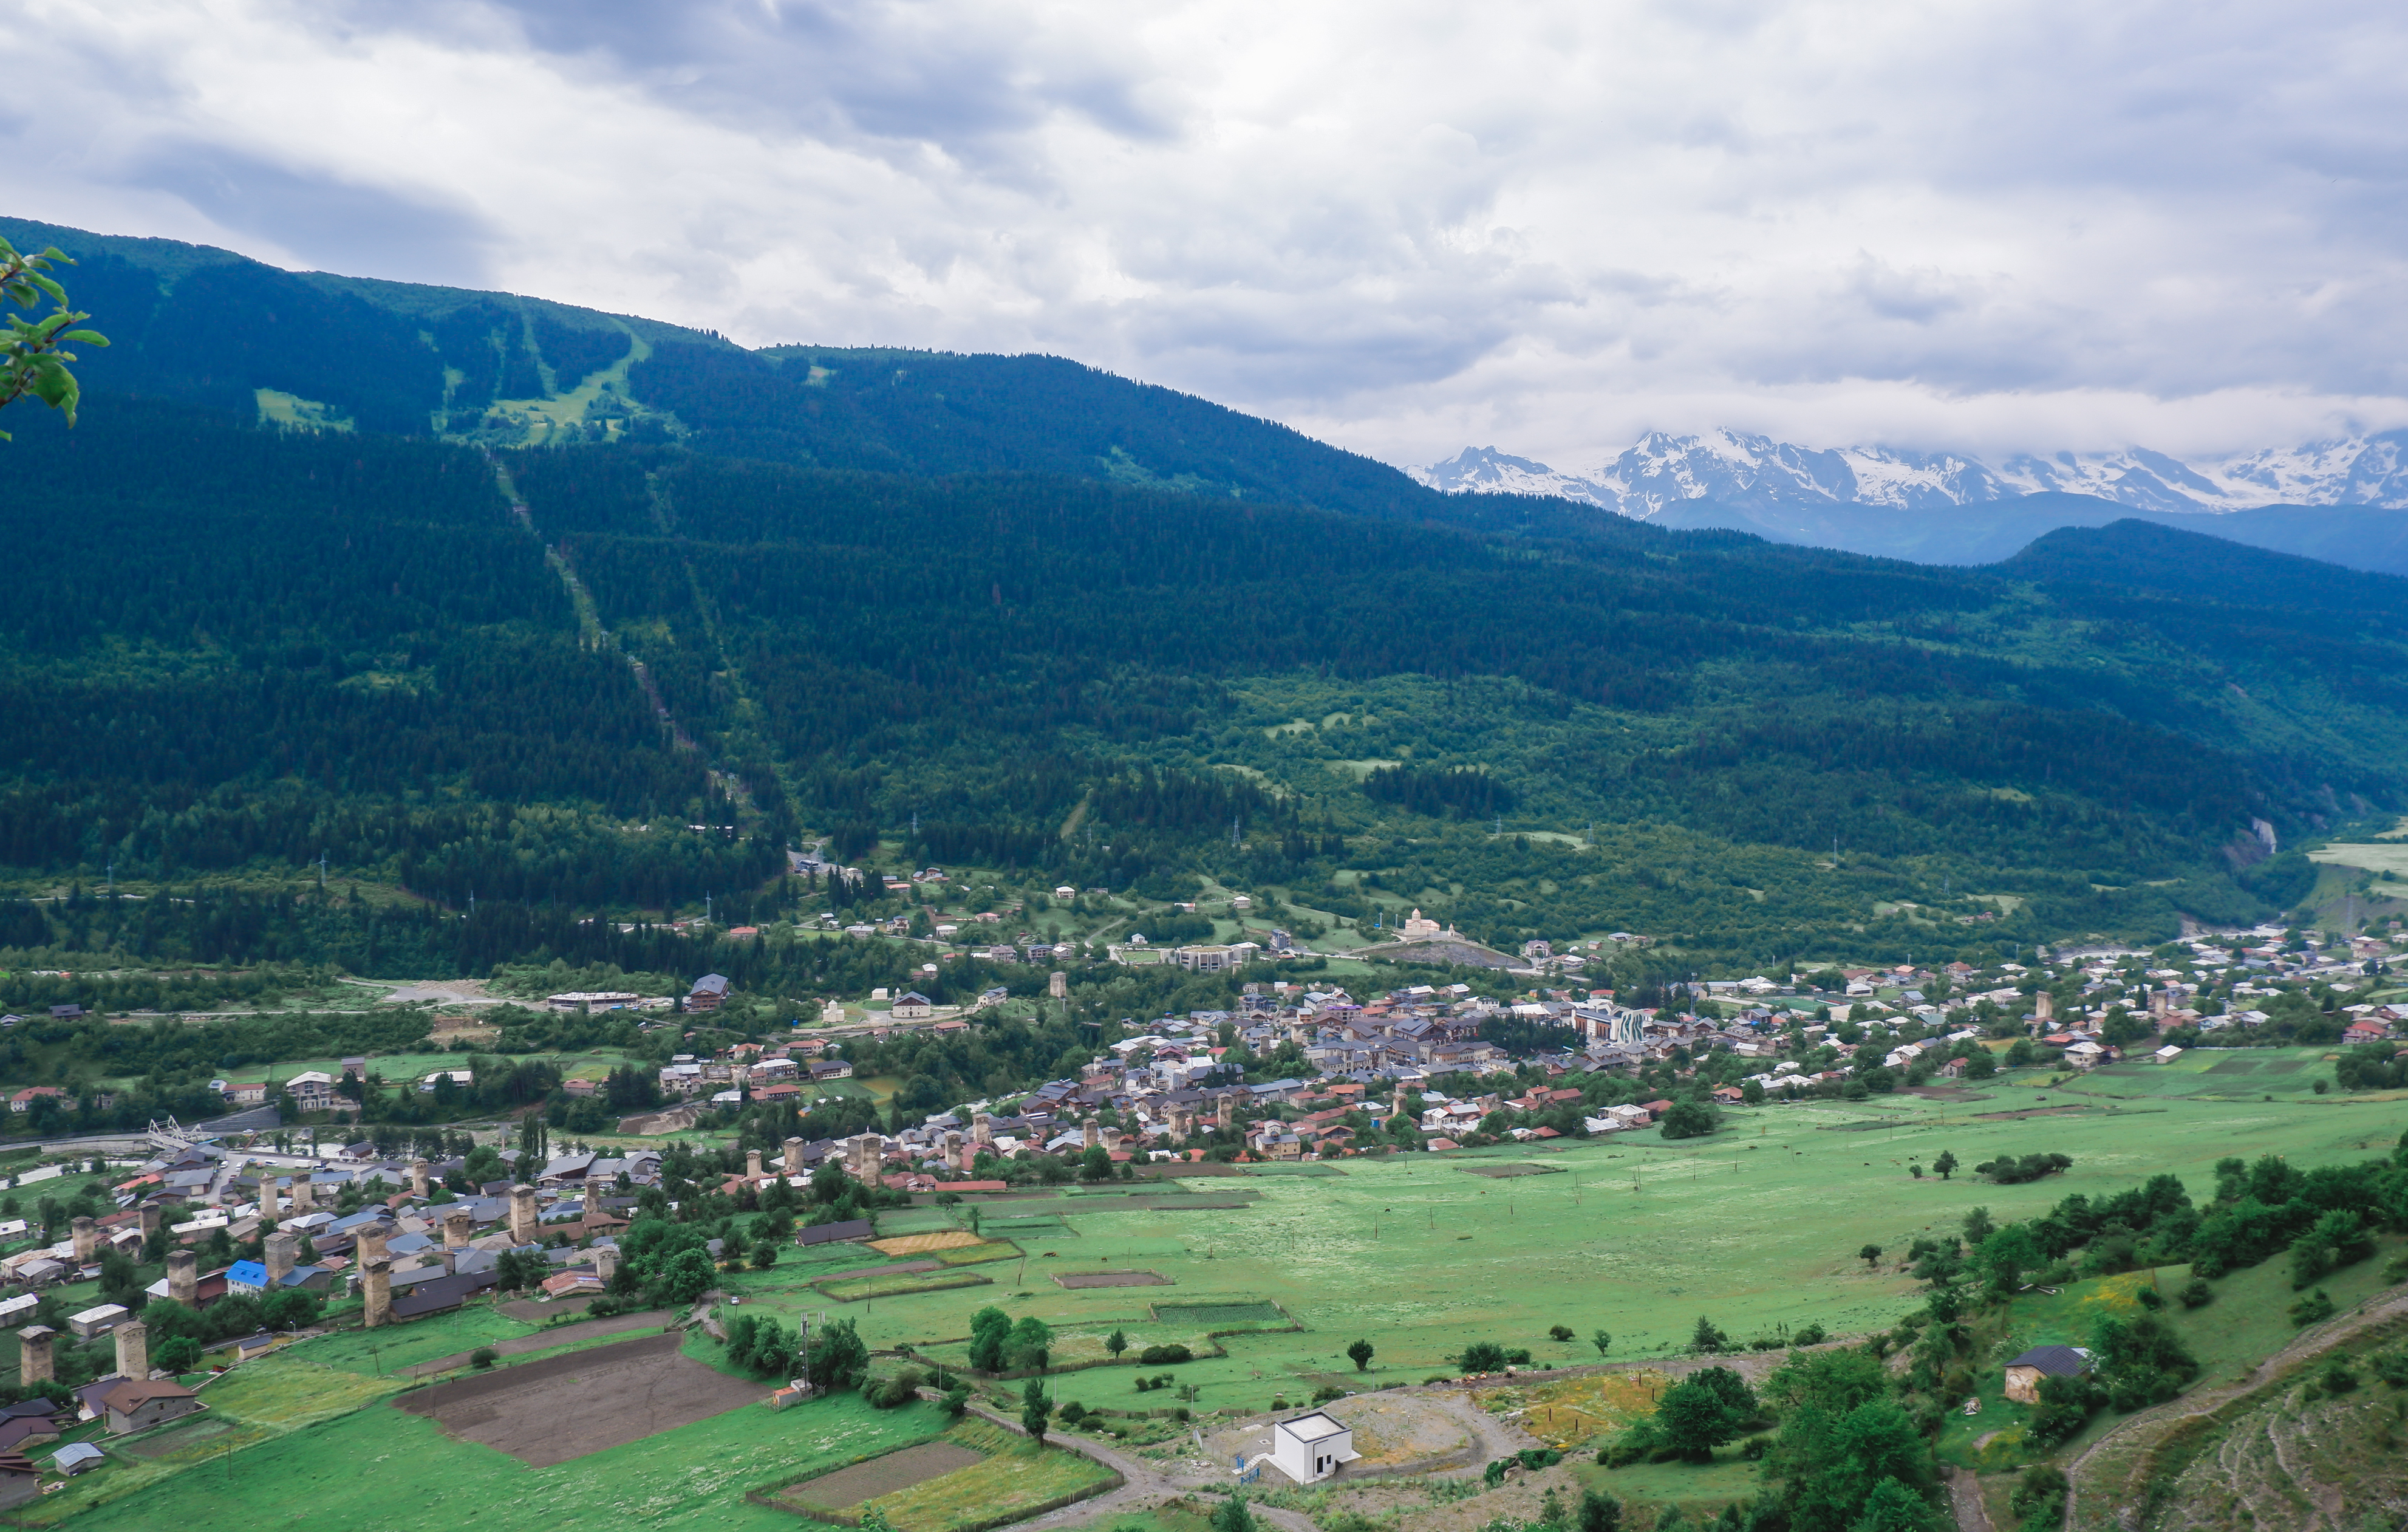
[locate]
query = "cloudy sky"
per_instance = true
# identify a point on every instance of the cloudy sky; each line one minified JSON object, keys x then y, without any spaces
{"x":1403,"y":226}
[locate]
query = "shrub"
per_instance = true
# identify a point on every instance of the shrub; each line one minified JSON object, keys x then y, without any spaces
{"x":2009,"y":1171}
{"x":2065,"y":1404}
{"x":2314,"y":1308}
{"x":1483,"y":1356}
{"x":483,"y":1357}
{"x":2196,"y":1294}
{"x":1754,"y":1448}
{"x":1559,"y":1333}
{"x":2392,"y":1367}
{"x":1690,"y":1117}
{"x":2337,"y":1378}
{"x":1073,"y":1412}
{"x":2039,"y":1499}
{"x":893,"y":1392}
{"x":1159,"y":1357}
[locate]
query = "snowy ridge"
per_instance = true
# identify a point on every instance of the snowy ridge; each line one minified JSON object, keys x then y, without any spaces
{"x":1736,"y":468}
{"x":1485,"y":470}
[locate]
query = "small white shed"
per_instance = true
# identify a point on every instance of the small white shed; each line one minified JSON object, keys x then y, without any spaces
{"x":1310,"y":1447}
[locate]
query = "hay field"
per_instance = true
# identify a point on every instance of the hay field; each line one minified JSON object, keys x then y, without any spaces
{"x":922,"y":1244}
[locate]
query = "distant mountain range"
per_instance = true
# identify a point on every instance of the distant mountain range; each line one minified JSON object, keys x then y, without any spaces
{"x":2333,"y":500}
{"x":1733,"y":467}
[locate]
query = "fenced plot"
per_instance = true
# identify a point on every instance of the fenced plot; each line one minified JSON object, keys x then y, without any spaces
{"x":853,"y":1289}
{"x":1216,"y":1315}
{"x":1027,"y":1228}
{"x":848,"y":1487}
{"x":1111,"y":1279}
{"x":565,"y":1407}
{"x":1013,"y":1478}
{"x":982,"y":1250}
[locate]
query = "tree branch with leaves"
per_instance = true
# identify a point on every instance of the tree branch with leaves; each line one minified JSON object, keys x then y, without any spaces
{"x":32,"y":358}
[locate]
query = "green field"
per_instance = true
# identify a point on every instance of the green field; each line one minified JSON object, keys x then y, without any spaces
{"x":380,"y":1467}
{"x":1756,"y":1226}
{"x":2230,"y":1074}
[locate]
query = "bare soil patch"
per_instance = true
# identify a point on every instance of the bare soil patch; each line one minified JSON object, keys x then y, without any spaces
{"x":849,"y":1487}
{"x":565,"y":1407}
{"x":1111,"y":1279}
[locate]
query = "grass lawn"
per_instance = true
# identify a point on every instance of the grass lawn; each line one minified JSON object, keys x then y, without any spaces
{"x":391,"y":1348}
{"x":396,"y":1472}
{"x":257,"y":1402}
{"x":1728,"y":1478}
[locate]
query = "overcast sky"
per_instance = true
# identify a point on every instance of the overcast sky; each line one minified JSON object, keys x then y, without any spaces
{"x":1402,"y":226}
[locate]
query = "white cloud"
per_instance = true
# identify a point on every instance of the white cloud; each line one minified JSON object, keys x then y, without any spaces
{"x":1402,"y":226}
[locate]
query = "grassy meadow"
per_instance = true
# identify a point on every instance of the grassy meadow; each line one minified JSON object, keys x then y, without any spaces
{"x":1756,"y":1227}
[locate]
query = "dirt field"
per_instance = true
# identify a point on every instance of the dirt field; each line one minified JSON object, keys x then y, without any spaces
{"x":915,"y":1244}
{"x":848,"y":1487}
{"x":1111,"y":1279}
{"x":548,"y":1411}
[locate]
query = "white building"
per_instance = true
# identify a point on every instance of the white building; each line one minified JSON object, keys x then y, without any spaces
{"x":1310,"y":1447}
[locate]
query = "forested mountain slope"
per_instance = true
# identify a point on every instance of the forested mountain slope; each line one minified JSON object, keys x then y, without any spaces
{"x":619,"y":675}
{"x":214,"y":328}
